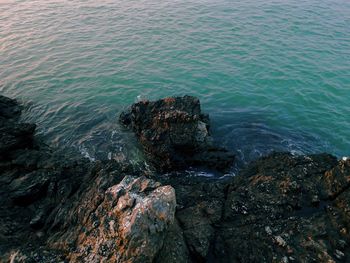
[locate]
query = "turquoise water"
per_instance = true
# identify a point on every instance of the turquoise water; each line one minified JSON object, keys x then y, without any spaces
{"x":273,"y":75}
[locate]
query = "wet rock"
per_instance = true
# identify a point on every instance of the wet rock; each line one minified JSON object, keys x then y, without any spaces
{"x":175,"y":134}
{"x":14,"y":134}
{"x":38,"y":220}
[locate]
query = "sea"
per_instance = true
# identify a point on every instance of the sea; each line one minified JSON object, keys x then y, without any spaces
{"x":274,"y":75}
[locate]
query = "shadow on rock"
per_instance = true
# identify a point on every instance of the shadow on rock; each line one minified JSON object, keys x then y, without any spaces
{"x":175,"y":134}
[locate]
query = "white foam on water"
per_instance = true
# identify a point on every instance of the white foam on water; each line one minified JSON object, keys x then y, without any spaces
{"x":86,"y":154}
{"x":140,"y":98}
{"x":205,"y":174}
{"x":228,"y":175}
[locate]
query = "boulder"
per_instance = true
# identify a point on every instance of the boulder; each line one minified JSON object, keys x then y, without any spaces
{"x":129,"y":225}
{"x":175,"y":134}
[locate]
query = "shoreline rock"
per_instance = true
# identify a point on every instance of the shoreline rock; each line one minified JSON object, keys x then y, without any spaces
{"x":175,"y":134}
{"x":133,"y":219}
{"x":56,"y":208}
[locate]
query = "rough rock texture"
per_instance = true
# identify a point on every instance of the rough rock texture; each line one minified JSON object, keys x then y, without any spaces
{"x":58,"y":208}
{"x":175,"y":134}
{"x":130,"y":223}
{"x":287,"y":209}
{"x":199,"y":211}
{"x":281,"y":208}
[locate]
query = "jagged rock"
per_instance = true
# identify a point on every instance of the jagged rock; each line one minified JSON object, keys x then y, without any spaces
{"x":278,"y":191}
{"x":15,"y":136}
{"x":59,"y":208}
{"x":129,"y":225}
{"x":268,"y":213}
{"x":200,"y":207}
{"x":175,"y":134}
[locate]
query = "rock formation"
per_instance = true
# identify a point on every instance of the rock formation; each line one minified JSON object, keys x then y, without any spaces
{"x":175,"y":134}
{"x":55,"y":207}
{"x":281,"y":208}
{"x":130,"y":223}
{"x":286,"y":207}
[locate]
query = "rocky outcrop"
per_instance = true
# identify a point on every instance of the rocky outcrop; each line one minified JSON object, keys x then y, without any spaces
{"x":129,"y":225}
{"x":175,"y":134}
{"x":281,"y":208}
{"x":200,"y":207}
{"x":55,"y":207}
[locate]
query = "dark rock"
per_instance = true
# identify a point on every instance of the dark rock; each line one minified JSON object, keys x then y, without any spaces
{"x":337,"y":180}
{"x":270,"y":213}
{"x":15,"y":136}
{"x":29,"y":188}
{"x":9,"y":108}
{"x":175,"y":134}
{"x":56,"y":207}
{"x":174,"y":246}
{"x":38,"y":220}
{"x":200,"y":207}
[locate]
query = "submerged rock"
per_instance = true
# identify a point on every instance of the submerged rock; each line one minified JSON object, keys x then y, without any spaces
{"x":175,"y":134}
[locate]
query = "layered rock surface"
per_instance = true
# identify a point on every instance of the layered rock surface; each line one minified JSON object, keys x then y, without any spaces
{"x":56,"y":208}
